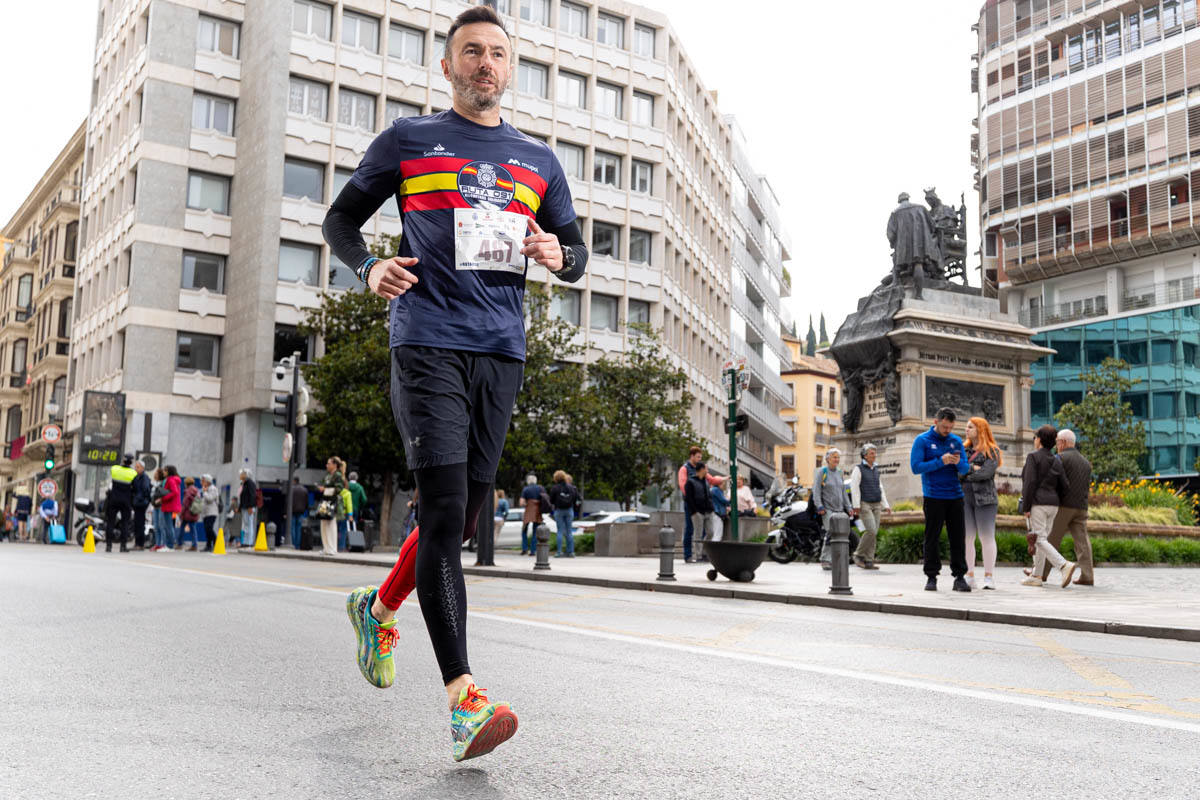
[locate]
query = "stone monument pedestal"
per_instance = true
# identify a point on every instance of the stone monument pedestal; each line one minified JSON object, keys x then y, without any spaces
{"x":952,"y":348}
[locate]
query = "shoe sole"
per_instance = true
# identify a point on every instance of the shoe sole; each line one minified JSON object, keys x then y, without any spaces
{"x":356,"y":620}
{"x":499,"y":728}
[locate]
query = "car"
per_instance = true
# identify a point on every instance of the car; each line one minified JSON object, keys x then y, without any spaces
{"x":590,"y":521}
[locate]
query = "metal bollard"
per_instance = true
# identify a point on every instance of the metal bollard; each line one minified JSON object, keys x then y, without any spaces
{"x":543,"y":548}
{"x":666,"y":553}
{"x":838,"y":526}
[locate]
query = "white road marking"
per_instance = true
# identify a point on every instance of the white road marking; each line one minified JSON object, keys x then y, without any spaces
{"x":763,"y":660}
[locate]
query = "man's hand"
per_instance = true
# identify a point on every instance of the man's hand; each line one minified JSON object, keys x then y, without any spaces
{"x":854,"y":511}
{"x":543,"y":248}
{"x":390,"y":277}
{"x":950,"y":458}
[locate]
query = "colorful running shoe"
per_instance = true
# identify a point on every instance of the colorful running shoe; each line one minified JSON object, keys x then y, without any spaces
{"x":477,"y":726}
{"x":375,"y":641}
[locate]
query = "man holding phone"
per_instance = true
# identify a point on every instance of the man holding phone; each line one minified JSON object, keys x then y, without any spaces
{"x":937,"y":456}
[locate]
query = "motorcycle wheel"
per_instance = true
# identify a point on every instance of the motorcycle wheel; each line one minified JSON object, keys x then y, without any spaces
{"x":782,"y":553}
{"x":80,"y":535}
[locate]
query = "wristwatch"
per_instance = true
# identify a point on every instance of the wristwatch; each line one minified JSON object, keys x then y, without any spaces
{"x":568,"y":257}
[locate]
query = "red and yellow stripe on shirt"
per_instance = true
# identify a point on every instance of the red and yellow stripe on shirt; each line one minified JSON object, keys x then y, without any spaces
{"x":428,"y":184}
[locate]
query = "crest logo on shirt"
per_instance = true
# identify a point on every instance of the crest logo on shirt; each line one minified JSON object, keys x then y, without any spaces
{"x":486,"y":185}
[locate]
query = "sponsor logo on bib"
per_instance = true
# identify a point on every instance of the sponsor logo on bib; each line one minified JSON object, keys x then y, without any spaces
{"x":486,"y":185}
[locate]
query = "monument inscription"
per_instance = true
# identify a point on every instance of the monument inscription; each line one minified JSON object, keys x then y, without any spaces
{"x":967,"y":398}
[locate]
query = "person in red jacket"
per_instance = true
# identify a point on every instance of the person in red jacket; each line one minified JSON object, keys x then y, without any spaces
{"x":171,"y":506}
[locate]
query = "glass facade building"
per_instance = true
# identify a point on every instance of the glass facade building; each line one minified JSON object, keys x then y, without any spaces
{"x":1162,"y":349}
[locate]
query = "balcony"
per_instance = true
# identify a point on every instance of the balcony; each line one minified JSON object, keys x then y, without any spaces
{"x":1160,"y":294}
{"x":767,"y":417}
{"x":758,"y":369}
{"x":1065,"y":312}
{"x":822,"y":439}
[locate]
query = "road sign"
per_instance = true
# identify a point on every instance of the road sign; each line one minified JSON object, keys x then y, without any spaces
{"x":47,"y":488}
{"x":52,"y":434}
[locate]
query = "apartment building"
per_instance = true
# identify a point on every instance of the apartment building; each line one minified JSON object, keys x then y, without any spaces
{"x":1086,"y":159}
{"x":813,"y":417}
{"x":36,"y":311}
{"x":220,"y":131}
{"x":756,"y":317}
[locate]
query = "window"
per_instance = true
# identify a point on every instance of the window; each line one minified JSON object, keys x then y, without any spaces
{"x":64,"y":318}
{"x":533,"y":78}
{"x":308,"y":98}
{"x":787,"y":465}
{"x":565,"y":305}
{"x":536,"y":11}
{"x":25,"y":291}
{"x":356,"y":109}
{"x":639,"y":311}
{"x":407,"y":44}
{"x":604,"y":312}
{"x":13,"y":424}
{"x":20,"y":346}
{"x":208,"y":192}
{"x":340,"y":178}
{"x":643,"y":173}
{"x":288,"y":341}
{"x":571,"y":158}
{"x":571,"y":89}
{"x":196,"y":352}
{"x":359,"y":30}
{"x":1137,"y":404}
{"x":299,"y":262}
{"x":58,"y":394}
{"x":572,"y":19}
{"x":832,"y":397}
{"x":312,"y":18}
{"x":643,"y":40}
{"x":643,"y":108}
{"x":1162,"y":351}
{"x":212,"y":113}
{"x":217,"y":36}
{"x":439,"y":45}
{"x":227,"y":440}
{"x":1165,"y":405}
{"x":394,"y":109}
{"x":203,"y":271}
{"x":71,"y":241}
{"x":610,"y":30}
{"x":606,"y":240}
{"x":608,"y":99}
{"x":820,"y":395}
{"x":639,"y":246}
{"x":304,"y":179}
{"x":606,"y":168}
{"x":341,"y":276}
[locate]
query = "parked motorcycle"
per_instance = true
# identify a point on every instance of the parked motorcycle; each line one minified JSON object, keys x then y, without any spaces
{"x":796,"y":529}
{"x":88,"y":514}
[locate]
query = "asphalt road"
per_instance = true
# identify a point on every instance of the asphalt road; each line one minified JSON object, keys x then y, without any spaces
{"x":190,"y":676}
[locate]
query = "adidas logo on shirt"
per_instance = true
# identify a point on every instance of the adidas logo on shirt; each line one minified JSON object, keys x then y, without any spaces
{"x":438,"y":148}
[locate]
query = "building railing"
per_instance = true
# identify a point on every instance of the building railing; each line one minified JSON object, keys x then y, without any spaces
{"x":758,"y":368}
{"x":1160,"y":294}
{"x":822,"y":438}
{"x":766,"y":416}
{"x":1065,"y":312}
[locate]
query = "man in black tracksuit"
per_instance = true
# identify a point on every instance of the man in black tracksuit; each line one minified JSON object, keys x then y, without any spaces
{"x":704,"y":518}
{"x":141,"y":501}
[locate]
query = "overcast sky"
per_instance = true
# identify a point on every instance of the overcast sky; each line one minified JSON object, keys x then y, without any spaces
{"x":844,"y":105}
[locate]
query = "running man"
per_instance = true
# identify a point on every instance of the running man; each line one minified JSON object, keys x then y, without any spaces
{"x":478,"y":199}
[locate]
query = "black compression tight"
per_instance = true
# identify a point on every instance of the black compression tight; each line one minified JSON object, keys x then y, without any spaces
{"x":449,"y":504}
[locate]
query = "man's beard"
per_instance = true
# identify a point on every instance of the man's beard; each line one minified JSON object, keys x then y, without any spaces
{"x":465,"y":88}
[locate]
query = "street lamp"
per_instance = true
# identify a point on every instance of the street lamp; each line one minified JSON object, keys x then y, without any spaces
{"x":52,"y":410}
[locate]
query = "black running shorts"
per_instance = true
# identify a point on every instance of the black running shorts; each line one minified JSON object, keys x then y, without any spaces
{"x":453,"y":406}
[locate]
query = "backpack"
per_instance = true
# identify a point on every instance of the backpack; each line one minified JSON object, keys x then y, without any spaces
{"x":544,"y":502}
{"x":564,"y":498}
{"x":196,"y":507}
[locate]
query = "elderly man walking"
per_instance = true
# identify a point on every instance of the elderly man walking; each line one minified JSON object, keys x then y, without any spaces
{"x":869,"y":500}
{"x":1073,"y":509}
{"x":830,"y":497}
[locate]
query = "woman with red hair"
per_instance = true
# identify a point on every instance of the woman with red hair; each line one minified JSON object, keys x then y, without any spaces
{"x":979,"y":498}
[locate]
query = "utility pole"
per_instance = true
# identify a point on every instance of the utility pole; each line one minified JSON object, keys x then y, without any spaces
{"x":289,"y":405}
{"x":735,"y":376}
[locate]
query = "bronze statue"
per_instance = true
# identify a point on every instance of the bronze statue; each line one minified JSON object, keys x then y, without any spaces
{"x":915,"y":251}
{"x":950,"y":229}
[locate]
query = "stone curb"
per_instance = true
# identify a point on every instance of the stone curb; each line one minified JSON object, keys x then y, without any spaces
{"x":824,"y":601}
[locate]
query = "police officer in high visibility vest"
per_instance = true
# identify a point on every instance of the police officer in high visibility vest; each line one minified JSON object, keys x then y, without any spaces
{"x":120,"y":501}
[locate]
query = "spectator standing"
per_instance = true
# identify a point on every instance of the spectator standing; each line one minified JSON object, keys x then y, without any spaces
{"x":329,"y":510}
{"x":830,"y":497}
{"x":412,"y":512}
{"x":1043,"y":485}
{"x":562,"y":501}
{"x":868,"y":501}
{"x":191,"y":508}
{"x":531,"y":501}
{"x":157,"y":492}
{"x":695,"y":456}
{"x":299,"y":501}
{"x":747,"y":505}
{"x":211,"y":506}
{"x":696,"y":491}
{"x":500,"y":503}
{"x":24,"y":509}
{"x":577,"y":509}
{"x":172,"y":503}
{"x":980,"y":502}
{"x":248,"y":506}
{"x":721,"y":503}
{"x":118,"y":504}
{"x":1073,"y":510}
{"x":937,"y":456}
{"x":358,"y":498}
{"x":347,"y":518}
{"x":141,"y":501}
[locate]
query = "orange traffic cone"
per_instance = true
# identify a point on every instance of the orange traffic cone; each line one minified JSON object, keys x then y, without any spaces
{"x":89,"y":544}
{"x":261,"y":542}
{"x":219,"y":547}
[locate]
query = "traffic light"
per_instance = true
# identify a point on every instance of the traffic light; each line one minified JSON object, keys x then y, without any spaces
{"x":49,"y":462}
{"x":284,"y":408}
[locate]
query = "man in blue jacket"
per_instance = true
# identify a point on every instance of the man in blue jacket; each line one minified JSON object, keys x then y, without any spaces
{"x":937,"y":456}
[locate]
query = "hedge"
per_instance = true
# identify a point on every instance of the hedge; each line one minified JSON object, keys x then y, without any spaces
{"x":904,"y":544}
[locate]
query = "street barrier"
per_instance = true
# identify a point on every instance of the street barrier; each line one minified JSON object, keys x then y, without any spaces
{"x":666,"y":553}
{"x":838,"y":527}
{"x":543,"y":547}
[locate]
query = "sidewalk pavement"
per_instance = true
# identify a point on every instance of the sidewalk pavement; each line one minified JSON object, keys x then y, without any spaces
{"x":1160,"y":602}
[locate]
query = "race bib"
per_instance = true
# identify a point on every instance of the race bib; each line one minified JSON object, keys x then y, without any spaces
{"x":491,"y":240}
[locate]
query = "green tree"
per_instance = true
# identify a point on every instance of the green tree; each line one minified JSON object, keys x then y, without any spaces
{"x":350,"y":386}
{"x":1104,"y":423}
{"x":638,"y":425}
{"x":810,"y":341}
{"x":541,"y":434}
{"x":824,"y":336}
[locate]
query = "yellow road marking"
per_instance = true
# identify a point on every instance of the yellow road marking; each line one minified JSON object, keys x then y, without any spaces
{"x":739,"y":633}
{"x":1081,"y":665}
